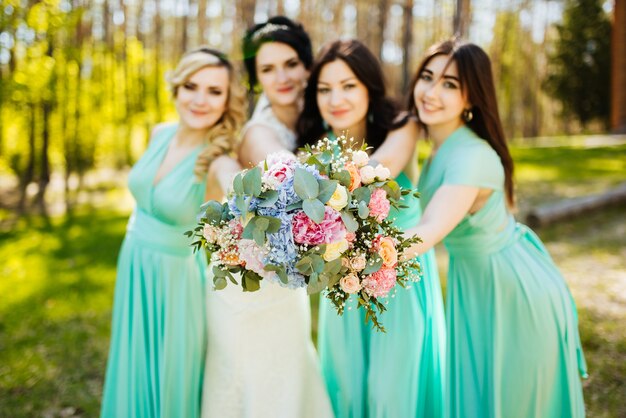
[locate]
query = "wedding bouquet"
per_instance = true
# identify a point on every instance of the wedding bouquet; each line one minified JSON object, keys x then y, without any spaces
{"x":319,"y":220}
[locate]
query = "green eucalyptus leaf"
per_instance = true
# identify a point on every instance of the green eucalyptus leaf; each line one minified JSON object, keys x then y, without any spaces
{"x":259,"y":236}
{"x":218,"y":272}
{"x":351,"y":224}
{"x":373,"y":265}
{"x":317,"y":262}
{"x":226,"y":214}
{"x":274,"y":224}
{"x":305,"y":265}
{"x":248,"y":230}
{"x":333,"y":267}
{"x":251,"y":281}
{"x":219,"y":283}
{"x":312,"y":160}
{"x":333,"y":279}
{"x":261,"y":222}
{"x":314,"y":209}
{"x":343,"y":176}
{"x":327,"y":188}
{"x":326,"y":157}
{"x":305,"y":184}
{"x":252,"y":182}
{"x":362,"y":194}
{"x":294,"y":206}
{"x":241,"y":204}
{"x":393,"y":189}
{"x":364,"y":211}
{"x":317,"y":283}
{"x":213,"y":212}
{"x":268,"y":198}
{"x":238,"y":184}
{"x":280,"y":271}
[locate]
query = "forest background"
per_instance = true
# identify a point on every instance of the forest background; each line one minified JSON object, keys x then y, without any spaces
{"x":82,"y":82}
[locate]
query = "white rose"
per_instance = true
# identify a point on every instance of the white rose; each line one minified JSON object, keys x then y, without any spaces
{"x":350,"y":283}
{"x":368,"y":174}
{"x":382,"y":173}
{"x":339,"y":199}
{"x":334,"y":249}
{"x":360,"y":158}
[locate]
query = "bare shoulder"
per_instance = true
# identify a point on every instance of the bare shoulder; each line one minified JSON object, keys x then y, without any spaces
{"x":159,"y":127}
{"x":258,"y":133}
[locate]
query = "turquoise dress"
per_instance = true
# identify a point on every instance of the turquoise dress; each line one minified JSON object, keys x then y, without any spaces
{"x":395,"y":374}
{"x":513,"y":343}
{"x":158,"y":338}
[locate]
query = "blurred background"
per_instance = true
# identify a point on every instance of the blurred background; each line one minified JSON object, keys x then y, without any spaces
{"x":82,"y":83}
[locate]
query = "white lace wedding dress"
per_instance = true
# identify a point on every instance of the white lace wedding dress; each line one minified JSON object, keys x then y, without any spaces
{"x":260,"y":360}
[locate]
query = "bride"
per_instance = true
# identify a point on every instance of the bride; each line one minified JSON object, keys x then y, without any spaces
{"x":260,"y":360}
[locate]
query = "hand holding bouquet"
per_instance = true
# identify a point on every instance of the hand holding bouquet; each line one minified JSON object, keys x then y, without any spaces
{"x":319,"y":220}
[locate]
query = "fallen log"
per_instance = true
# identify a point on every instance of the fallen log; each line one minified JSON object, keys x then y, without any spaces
{"x":570,"y":208}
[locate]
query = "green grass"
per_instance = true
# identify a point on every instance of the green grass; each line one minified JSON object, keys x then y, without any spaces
{"x":57,"y":290}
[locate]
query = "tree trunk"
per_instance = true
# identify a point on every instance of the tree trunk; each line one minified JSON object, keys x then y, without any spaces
{"x":27,"y":176}
{"x":407,"y":44}
{"x":379,"y":41}
{"x":158,"y":34}
{"x":202,"y":23}
{"x":462,"y":18}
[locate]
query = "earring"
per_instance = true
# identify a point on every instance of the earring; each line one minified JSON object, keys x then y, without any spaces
{"x":370,"y":117}
{"x":467,"y":115}
{"x":325,"y":125}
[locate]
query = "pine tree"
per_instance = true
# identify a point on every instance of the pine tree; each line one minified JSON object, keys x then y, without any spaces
{"x":580,"y":65}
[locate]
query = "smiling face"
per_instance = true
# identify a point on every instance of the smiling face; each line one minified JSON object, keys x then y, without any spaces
{"x":201,"y":100}
{"x":438,"y":96}
{"x":281,"y":73}
{"x":343,"y":100}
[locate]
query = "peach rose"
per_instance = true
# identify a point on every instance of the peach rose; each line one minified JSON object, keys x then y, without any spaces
{"x":387,"y":251}
{"x":355,"y":176}
{"x":358,"y":263}
{"x":350,"y":283}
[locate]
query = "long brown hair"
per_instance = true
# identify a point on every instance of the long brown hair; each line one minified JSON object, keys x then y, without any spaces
{"x":382,"y":110}
{"x":477,"y":84}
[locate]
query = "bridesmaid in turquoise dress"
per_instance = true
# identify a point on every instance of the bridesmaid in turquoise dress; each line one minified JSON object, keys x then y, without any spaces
{"x":368,"y":373}
{"x":158,"y":338}
{"x":513,"y":343}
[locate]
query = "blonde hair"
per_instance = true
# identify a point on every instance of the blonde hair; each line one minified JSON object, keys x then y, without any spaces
{"x":222,"y":138}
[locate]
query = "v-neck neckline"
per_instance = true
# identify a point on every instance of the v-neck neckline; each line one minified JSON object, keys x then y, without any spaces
{"x":176,"y":166}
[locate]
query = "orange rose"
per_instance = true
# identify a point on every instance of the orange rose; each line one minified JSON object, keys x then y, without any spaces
{"x":355,"y":176}
{"x":387,"y":251}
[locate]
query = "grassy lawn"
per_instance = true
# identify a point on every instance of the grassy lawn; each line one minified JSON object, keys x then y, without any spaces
{"x":57,"y":289}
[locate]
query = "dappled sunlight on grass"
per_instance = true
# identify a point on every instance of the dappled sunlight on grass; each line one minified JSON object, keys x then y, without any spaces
{"x":54,"y":320}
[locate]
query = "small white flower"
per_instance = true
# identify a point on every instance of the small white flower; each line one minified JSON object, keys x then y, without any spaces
{"x":368,"y":174}
{"x":360,"y":158}
{"x":382,"y":173}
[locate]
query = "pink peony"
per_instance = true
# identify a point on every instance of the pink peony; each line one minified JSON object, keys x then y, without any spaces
{"x":380,"y":283}
{"x":277,"y":173}
{"x":379,"y":205}
{"x":331,"y":229}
